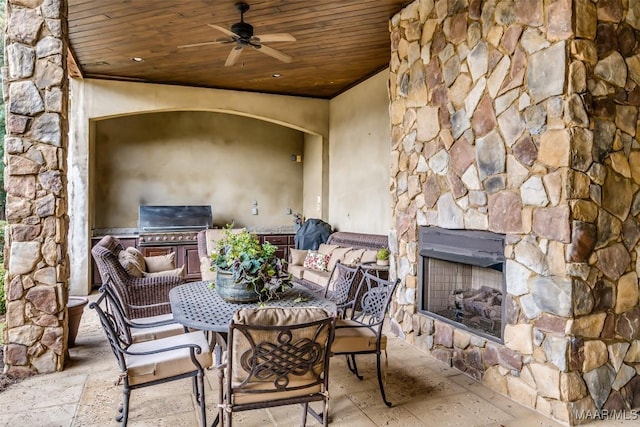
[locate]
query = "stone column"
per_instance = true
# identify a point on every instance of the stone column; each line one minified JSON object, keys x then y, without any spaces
{"x":36,"y":92}
{"x":520,"y":117}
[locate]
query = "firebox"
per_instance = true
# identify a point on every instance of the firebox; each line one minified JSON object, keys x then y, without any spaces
{"x":461,"y":279}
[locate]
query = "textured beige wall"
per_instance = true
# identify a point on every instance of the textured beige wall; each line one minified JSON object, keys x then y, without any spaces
{"x":359,"y":158}
{"x":313,"y":165}
{"x":185,"y":158}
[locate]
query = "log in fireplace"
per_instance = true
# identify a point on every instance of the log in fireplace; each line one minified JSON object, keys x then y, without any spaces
{"x":461,"y":279}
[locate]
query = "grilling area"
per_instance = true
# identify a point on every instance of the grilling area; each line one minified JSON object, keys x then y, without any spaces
{"x":494,"y":150}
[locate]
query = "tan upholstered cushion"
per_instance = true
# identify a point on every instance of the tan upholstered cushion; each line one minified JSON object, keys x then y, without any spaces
{"x":369,"y":255}
{"x":298,"y":256}
{"x":354,"y":339}
{"x":274,"y":316}
{"x":160,"y":262}
{"x":132,"y":261}
{"x":241,"y":398}
{"x":318,"y":277}
{"x":150,"y":367}
{"x":155,"y":332}
{"x":327,"y":249}
{"x":353,"y":256}
{"x":337,"y":255}
{"x":205,"y":269}
{"x":296,"y":271}
{"x":176,"y":272}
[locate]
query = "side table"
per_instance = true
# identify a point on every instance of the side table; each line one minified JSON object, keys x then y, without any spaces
{"x":381,"y":271}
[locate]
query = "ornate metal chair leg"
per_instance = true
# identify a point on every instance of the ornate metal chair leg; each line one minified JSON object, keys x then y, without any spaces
{"x":200,"y":399}
{"x":305,"y":410}
{"x":380,"y":382}
{"x":124,"y":416}
{"x":351,"y":364}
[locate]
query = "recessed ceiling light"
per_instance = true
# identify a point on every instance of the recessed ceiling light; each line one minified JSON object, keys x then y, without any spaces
{"x":137,"y":59}
{"x":276,"y":75}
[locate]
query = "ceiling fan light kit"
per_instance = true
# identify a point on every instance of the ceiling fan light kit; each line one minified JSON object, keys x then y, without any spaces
{"x":241,"y":34}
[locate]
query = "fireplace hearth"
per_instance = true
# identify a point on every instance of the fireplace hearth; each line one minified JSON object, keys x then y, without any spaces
{"x":462,"y":280}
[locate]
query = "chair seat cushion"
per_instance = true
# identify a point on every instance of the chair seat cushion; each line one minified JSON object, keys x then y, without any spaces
{"x":149,"y":367}
{"x":240,"y":398}
{"x":349,"y":338}
{"x":155,"y":332}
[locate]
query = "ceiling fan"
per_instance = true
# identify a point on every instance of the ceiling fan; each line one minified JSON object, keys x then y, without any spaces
{"x":241,"y":34}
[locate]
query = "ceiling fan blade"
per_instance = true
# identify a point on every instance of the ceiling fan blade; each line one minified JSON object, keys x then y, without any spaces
{"x":275,"y":37}
{"x":223,"y":30}
{"x":275,"y":53}
{"x":233,"y":56}
{"x":205,"y":43}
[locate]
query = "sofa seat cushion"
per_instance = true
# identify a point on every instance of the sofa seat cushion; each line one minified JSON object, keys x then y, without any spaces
{"x":296,"y":271}
{"x":349,"y":338}
{"x":318,"y":277}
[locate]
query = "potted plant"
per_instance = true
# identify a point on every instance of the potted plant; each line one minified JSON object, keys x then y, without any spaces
{"x":382,"y":256}
{"x":247,"y":270}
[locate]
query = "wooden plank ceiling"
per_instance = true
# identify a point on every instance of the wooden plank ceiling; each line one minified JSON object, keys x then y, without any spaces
{"x":338,"y":43}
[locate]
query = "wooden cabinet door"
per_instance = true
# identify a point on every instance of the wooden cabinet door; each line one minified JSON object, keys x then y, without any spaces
{"x":191,"y":261}
{"x":157,"y":251}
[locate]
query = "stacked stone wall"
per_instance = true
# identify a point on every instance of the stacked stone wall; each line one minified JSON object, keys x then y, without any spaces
{"x":35,"y":94}
{"x":520,"y":117}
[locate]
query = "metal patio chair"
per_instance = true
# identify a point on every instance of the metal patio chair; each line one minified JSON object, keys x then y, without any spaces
{"x":361,"y":331}
{"x":275,"y":357}
{"x":152,"y":362}
{"x":341,"y":289}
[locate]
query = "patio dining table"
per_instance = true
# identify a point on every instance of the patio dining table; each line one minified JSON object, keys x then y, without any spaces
{"x":195,"y":305}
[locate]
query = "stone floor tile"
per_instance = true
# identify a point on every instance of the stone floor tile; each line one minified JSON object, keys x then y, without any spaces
{"x":463,"y":409}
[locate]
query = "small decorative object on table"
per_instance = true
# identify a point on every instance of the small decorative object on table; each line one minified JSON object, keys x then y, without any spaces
{"x":246,"y":270}
{"x":382,"y":256}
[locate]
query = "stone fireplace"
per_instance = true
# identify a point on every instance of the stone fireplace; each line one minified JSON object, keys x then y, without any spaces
{"x":461,"y":280}
{"x":520,"y":118}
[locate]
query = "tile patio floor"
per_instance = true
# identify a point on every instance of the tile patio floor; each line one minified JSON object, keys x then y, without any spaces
{"x":424,"y":391}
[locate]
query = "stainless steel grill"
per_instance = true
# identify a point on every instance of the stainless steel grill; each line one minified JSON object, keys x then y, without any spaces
{"x":171,"y":225}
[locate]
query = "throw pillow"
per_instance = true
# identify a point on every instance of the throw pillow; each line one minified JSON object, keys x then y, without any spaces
{"x":160,"y":262}
{"x":176,"y":272}
{"x":368,"y":256}
{"x":298,"y":256}
{"x":326,"y":249}
{"x":316,"y":261}
{"x":353,"y":257}
{"x":132,"y":261}
{"x":337,"y":255}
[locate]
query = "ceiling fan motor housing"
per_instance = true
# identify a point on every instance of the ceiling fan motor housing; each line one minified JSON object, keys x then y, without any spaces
{"x":243,"y":30}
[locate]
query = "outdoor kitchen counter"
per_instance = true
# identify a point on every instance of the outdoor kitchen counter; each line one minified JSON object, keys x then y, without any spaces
{"x":133,"y":232}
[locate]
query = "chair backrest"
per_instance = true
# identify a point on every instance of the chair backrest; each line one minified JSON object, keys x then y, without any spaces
{"x":274,"y":349}
{"x":109,"y":322}
{"x":374,"y":296}
{"x":114,"y":306}
{"x":105,"y":253}
{"x":341,"y":287}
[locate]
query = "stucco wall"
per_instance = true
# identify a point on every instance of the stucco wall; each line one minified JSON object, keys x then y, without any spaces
{"x":312,"y":176}
{"x":184,"y":158}
{"x":359,"y":158}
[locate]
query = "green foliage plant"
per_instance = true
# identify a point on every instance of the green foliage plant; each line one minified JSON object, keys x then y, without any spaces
{"x":382,"y":254}
{"x":250,"y":262}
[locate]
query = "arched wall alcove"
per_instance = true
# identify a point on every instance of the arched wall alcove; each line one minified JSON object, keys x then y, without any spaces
{"x":152,"y":144}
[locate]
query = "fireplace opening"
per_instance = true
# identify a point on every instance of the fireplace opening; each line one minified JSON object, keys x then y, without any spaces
{"x":461,"y":279}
